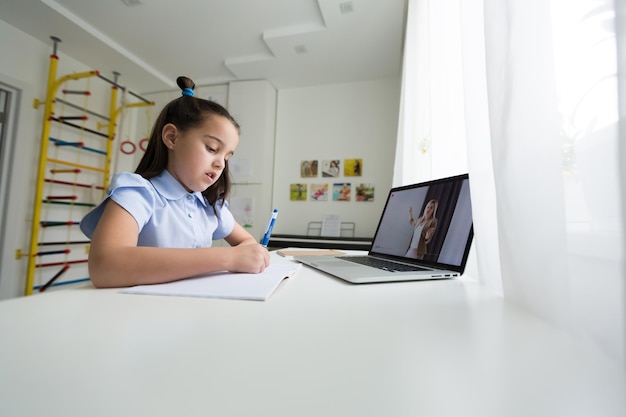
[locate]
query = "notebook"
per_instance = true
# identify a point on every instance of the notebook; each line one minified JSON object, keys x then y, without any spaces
{"x":425,"y":232}
{"x":238,"y":286}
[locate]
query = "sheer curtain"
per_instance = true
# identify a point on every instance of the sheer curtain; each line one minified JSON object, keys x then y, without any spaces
{"x":523,"y":94}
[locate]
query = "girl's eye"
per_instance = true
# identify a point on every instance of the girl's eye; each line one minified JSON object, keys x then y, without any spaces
{"x":208,"y":148}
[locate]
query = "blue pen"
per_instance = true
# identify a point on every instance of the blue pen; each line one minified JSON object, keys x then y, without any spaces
{"x":270,"y":226}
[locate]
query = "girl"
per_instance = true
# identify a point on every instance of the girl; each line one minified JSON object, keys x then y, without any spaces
{"x":158,"y":224}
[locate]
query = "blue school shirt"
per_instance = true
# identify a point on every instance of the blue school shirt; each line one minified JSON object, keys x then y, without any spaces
{"x":167,"y":215}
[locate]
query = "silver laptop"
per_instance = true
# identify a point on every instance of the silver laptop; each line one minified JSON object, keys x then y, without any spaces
{"x":425,"y":232}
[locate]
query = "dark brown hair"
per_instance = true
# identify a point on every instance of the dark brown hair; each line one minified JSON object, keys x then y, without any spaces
{"x":185,"y":112}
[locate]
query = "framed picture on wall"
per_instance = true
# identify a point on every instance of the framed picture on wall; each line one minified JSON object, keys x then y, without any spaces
{"x":330,"y":168}
{"x":364,"y":192}
{"x":342,"y":191}
{"x":353,"y":167}
{"x":319,"y":192}
{"x":297,"y":192}
{"x":308,"y":168}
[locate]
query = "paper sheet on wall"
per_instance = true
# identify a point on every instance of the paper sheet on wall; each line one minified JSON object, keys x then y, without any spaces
{"x":242,"y":209}
{"x":331,"y":225}
{"x":240,"y":168}
{"x":239,"y":286}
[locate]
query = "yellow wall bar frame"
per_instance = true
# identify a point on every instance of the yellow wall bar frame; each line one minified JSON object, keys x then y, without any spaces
{"x":73,"y":164}
{"x":114,"y":112}
{"x":111,"y":130}
{"x":53,"y":85}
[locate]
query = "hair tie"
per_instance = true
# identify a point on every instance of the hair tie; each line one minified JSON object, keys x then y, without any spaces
{"x":187,"y":92}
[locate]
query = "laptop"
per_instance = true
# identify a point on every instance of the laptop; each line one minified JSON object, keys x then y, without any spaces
{"x":424,"y":232}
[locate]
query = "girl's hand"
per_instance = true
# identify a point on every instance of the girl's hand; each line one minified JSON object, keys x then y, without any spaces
{"x":252,"y":258}
{"x":246,"y":254}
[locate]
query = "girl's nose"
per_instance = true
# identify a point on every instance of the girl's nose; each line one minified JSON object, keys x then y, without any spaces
{"x":219,"y":163}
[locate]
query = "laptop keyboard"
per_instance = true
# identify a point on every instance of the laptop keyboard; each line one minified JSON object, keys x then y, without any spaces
{"x":382,"y":264}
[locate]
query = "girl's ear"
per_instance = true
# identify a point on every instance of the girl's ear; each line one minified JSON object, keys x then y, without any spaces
{"x":168,"y":135}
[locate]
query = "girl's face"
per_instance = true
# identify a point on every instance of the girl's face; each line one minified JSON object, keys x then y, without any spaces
{"x":197,"y":157}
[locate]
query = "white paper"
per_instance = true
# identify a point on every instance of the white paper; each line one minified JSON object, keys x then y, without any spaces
{"x":238,"y":286}
{"x":331,"y":225}
{"x":242,"y":209}
{"x":240,"y":168}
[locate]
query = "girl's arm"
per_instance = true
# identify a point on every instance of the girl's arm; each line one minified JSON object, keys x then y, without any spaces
{"x":240,"y":236}
{"x":115,"y":260}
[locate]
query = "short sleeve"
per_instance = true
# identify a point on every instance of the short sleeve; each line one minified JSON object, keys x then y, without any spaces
{"x":132,"y":192}
{"x":227,"y":221}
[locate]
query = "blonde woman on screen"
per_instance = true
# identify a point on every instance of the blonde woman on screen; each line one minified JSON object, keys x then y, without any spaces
{"x":423,"y":230}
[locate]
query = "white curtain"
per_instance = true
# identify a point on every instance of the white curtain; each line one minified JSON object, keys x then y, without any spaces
{"x":523,"y":94}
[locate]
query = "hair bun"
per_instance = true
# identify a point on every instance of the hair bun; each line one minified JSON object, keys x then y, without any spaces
{"x":185,"y":82}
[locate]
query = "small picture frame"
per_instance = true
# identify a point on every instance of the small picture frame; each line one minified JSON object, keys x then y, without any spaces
{"x":308,"y":168}
{"x":364,"y":192}
{"x":342,"y":191}
{"x":297,"y":192}
{"x":331,"y":168}
{"x":319,"y":192}
{"x":353,"y":167}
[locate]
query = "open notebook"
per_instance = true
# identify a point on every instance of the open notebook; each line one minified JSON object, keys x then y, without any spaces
{"x":238,"y":286}
{"x":424,"y":232}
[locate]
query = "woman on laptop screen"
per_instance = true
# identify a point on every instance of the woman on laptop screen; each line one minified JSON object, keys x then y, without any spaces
{"x":423,"y":230}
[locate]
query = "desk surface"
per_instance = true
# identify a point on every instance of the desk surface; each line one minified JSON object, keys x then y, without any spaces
{"x":317,"y":347}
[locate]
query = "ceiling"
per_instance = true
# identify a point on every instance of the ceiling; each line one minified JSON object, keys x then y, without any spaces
{"x":291,"y":43}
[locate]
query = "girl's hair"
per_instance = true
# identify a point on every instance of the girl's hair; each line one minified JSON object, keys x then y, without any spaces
{"x":186,"y":112}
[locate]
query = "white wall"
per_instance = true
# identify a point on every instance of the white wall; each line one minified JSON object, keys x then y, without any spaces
{"x":339,"y":121}
{"x":253,"y":105}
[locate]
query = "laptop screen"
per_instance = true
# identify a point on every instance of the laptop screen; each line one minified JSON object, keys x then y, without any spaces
{"x":428,"y":223}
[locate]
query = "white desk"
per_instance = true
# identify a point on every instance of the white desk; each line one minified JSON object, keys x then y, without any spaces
{"x":318,"y":347}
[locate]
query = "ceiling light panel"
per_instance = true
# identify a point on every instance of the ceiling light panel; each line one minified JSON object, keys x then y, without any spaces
{"x":346,"y":7}
{"x":130,"y":3}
